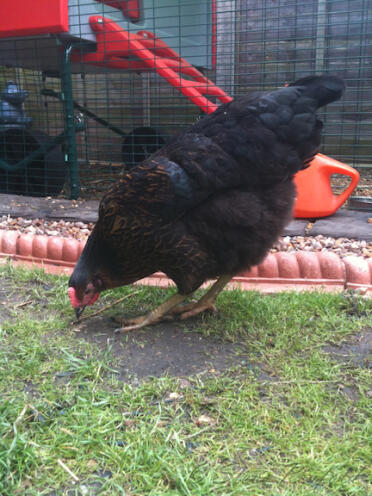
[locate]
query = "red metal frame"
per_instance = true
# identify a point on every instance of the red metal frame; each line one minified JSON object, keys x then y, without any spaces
{"x":119,"y":49}
{"x":130,"y":8}
{"x":31,"y":17}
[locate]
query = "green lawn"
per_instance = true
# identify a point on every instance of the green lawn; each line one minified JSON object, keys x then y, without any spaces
{"x":294,"y":420}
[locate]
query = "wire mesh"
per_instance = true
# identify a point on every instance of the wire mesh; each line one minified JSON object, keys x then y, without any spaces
{"x":88,"y":118}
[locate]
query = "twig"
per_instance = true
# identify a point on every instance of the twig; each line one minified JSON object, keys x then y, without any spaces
{"x":18,"y":419}
{"x":65,"y":467}
{"x":98,"y":181}
{"x":21,"y":415}
{"x":23,"y":304}
{"x":103,"y":309}
{"x":189,"y":436}
{"x":294,"y":381}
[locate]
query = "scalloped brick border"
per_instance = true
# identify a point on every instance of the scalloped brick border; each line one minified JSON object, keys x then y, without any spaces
{"x":279,"y":271}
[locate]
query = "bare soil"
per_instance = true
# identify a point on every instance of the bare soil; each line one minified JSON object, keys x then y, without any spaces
{"x":169,"y":348}
{"x":357,"y":351}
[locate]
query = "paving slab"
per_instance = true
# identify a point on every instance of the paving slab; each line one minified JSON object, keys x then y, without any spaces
{"x":48,"y":208}
{"x":344,"y":224}
{"x":297,"y":227}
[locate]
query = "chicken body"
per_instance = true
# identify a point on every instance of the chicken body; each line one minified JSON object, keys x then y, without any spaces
{"x":213,"y":201}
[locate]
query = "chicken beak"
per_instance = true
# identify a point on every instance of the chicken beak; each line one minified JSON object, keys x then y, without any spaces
{"x":79,"y":311}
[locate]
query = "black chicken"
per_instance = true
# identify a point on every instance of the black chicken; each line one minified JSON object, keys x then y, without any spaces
{"x":210,"y":203}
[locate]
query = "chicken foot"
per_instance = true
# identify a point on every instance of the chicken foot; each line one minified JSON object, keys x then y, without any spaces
{"x":182,"y":310}
{"x":206,"y":302}
{"x":154,"y":316}
{"x":173,"y":306}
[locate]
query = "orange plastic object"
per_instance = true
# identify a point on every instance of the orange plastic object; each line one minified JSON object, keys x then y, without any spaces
{"x":315,"y":197}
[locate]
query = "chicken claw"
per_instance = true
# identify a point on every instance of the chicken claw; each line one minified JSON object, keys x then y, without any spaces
{"x":154,"y":316}
{"x":206,"y":302}
{"x":197,"y":309}
{"x":172,"y":306}
{"x":129,"y":324}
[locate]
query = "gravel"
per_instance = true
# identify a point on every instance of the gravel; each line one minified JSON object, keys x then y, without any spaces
{"x":65,"y":229}
{"x":80,"y":231}
{"x":341,"y":246}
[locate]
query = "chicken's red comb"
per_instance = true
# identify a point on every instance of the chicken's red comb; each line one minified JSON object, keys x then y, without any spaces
{"x":72,"y":295}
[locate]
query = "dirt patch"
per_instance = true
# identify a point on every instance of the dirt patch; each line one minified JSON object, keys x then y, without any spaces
{"x":9,"y":300}
{"x":179,"y":349}
{"x":13,"y":299}
{"x":4,"y":301}
{"x":357,"y":351}
{"x":169,"y":348}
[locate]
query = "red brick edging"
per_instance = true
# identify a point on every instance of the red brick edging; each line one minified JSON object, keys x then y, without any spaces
{"x":279,"y":271}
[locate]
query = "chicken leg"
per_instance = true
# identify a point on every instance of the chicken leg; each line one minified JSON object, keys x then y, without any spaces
{"x":206,"y":302}
{"x":154,"y":316}
{"x":172,"y":306}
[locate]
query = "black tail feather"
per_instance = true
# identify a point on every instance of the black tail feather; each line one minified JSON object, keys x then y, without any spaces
{"x":324,"y":89}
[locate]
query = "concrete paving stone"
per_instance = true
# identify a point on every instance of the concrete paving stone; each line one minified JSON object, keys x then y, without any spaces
{"x":344,"y":224}
{"x":296,"y":228}
{"x":49,"y":208}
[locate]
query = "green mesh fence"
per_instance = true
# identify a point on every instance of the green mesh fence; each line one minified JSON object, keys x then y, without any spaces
{"x":84,"y":119}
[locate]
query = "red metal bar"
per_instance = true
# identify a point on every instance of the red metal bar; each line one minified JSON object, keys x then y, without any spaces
{"x":140,"y":51}
{"x":130,"y":8}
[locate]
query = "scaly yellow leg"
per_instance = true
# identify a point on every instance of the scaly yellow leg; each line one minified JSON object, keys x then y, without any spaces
{"x":206,"y":302}
{"x":172,"y":307}
{"x":154,"y":316}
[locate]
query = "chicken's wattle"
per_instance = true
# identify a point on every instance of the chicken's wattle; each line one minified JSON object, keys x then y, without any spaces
{"x":75,"y":301}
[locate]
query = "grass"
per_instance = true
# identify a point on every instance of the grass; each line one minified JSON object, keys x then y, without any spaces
{"x":283,"y":425}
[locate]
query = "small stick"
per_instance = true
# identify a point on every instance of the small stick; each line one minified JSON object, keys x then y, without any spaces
{"x":23,"y":304}
{"x":18,"y":419}
{"x":21,"y":415}
{"x":295,"y":381}
{"x":103,"y":309}
{"x":65,"y":467}
{"x":200,"y":431}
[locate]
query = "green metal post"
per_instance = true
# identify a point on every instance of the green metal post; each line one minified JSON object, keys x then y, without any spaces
{"x":70,"y":125}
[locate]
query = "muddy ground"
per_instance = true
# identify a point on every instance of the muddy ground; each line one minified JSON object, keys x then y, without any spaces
{"x":177,"y":349}
{"x":171,"y":348}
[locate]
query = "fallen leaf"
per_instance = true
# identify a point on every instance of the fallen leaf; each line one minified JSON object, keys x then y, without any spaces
{"x":205,"y":420}
{"x":207,"y":400}
{"x":162,"y":423}
{"x":174,"y":396}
